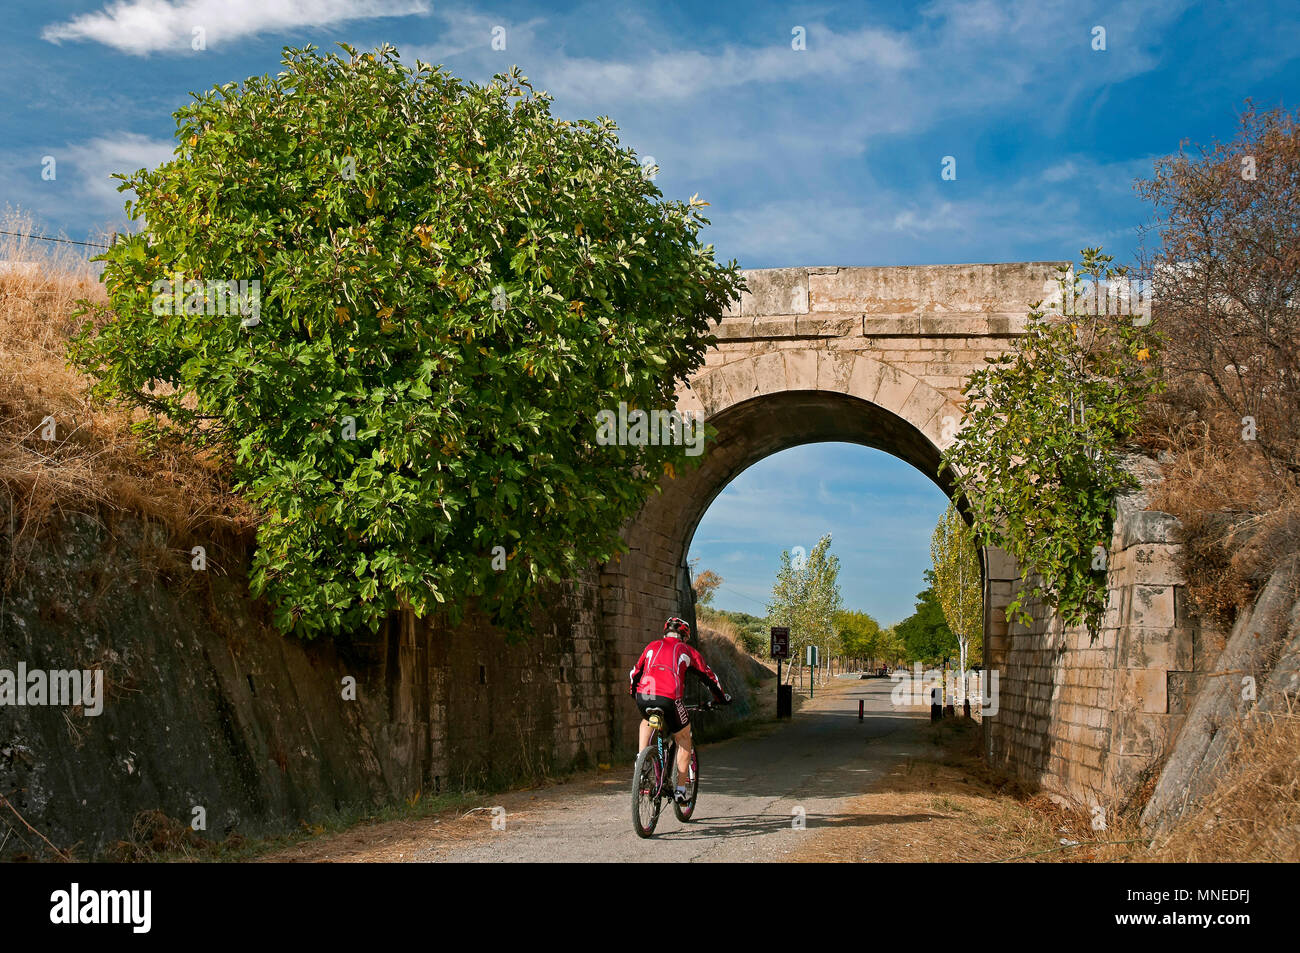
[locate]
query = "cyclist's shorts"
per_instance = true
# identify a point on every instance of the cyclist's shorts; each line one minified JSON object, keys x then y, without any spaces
{"x":674,"y":710}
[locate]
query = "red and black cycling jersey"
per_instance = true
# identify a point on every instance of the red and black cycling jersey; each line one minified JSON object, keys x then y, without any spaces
{"x":661,"y":670}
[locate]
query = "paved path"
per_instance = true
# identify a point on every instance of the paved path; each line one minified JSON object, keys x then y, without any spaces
{"x":749,"y":788}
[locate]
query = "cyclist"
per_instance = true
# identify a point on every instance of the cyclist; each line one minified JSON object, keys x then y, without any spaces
{"x":659,"y":681}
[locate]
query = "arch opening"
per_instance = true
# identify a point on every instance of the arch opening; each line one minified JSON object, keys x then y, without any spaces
{"x":652,"y":581}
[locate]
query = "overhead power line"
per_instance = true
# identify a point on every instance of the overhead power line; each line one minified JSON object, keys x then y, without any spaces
{"x":743,"y":596}
{"x":46,"y":238}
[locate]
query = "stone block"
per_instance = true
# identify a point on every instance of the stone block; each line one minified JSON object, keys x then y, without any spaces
{"x":1183,"y":688}
{"x":889,"y":325}
{"x":834,"y":368}
{"x":1000,"y":565}
{"x":957,"y":289}
{"x":819,"y":326}
{"x":1141,"y":690}
{"x":921,"y":406}
{"x":707,"y":388}
{"x":864,"y":380}
{"x":1007,"y":325}
{"x":769,"y":372}
{"x":775,"y":291}
{"x":1151,"y":607}
{"x":1156,"y":564}
{"x":1144,"y":526}
{"x":1168,"y":648}
{"x":895,"y":388}
{"x":689,"y":401}
{"x":741,"y":381}
{"x":801,"y":369}
{"x":1142,"y":734}
{"x":779,"y":327}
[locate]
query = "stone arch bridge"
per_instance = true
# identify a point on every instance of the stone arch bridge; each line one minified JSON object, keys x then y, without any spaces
{"x":874,"y":356}
{"x":878,"y":356}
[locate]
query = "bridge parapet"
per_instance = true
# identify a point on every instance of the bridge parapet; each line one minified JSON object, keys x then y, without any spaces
{"x":936,"y":323}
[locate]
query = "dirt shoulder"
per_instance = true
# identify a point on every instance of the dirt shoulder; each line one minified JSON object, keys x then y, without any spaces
{"x":945,"y":805}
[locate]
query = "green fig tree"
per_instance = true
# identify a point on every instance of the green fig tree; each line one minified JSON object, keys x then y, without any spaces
{"x":395,"y":302}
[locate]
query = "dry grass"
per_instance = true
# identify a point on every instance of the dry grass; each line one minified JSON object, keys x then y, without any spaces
{"x":742,"y":675}
{"x":1240,"y":517}
{"x":952,"y":808}
{"x":719,"y":625}
{"x":948,"y":806}
{"x":95,"y":463}
{"x":154,"y":835}
{"x":1253,"y":814}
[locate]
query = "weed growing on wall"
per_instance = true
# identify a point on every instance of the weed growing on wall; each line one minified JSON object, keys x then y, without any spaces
{"x":1038,"y":455}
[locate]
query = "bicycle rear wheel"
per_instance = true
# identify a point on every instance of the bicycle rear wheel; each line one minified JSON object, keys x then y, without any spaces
{"x":686,"y":811}
{"x":647,"y":779}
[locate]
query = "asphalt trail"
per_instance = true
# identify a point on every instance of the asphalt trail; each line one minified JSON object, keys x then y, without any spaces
{"x":750,"y":790}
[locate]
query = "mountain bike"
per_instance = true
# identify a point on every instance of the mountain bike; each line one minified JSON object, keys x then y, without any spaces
{"x":655,"y":775}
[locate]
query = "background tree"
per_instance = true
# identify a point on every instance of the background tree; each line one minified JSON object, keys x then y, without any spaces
{"x":705,"y":584}
{"x":958,"y":584}
{"x":859,"y":635}
{"x":806,"y":598}
{"x":453,"y":283}
{"x":924,"y":634}
{"x":1225,"y":276}
{"x":890,"y":646}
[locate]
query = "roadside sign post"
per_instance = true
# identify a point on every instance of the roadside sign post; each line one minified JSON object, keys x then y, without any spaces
{"x":781,"y":650}
{"x":812,"y":668}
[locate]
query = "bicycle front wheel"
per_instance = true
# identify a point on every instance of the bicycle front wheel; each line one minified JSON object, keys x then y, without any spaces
{"x":686,"y":811}
{"x":647,"y":781}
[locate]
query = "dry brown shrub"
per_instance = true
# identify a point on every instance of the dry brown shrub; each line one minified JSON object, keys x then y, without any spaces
{"x":96,"y":462}
{"x":1224,"y":270}
{"x":1239,"y":517}
{"x":154,"y":835}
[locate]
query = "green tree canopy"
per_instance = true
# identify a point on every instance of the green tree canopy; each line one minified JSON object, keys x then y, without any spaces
{"x":925,"y":633}
{"x":890,"y":647}
{"x":859,"y":634}
{"x":958,"y":582}
{"x":452,"y":284}
{"x":806,"y":597}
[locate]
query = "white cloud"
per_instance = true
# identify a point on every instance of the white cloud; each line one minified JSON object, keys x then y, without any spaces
{"x":140,"y":27}
{"x":933,"y":218}
{"x":464,"y":31}
{"x":1028,"y":218}
{"x":1060,"y":172}
{"x":749,"y":107}
{"x":82,"y":189}
{"x":691,"y":74}
{"x":97,"y":160}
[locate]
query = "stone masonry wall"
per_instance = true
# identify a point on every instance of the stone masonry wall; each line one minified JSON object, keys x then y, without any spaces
{"x":1090,"y":720}
{"x":207,"y":705}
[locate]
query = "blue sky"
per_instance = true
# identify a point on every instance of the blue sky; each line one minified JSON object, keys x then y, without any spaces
{"x":830,"y":155}
{"x":879,"y":511}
